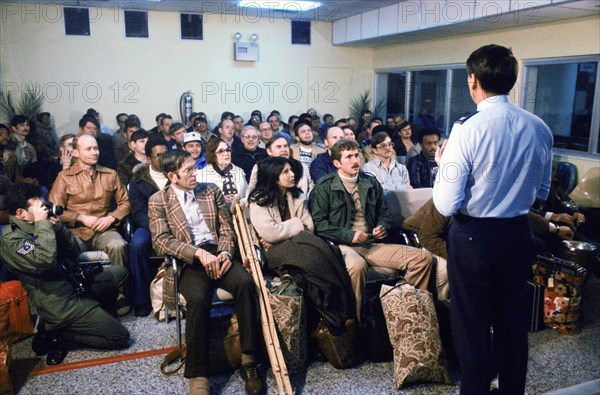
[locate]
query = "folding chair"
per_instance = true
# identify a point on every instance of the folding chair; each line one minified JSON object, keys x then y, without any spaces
{"x":566,"y":173}
{"x":220,"y":297}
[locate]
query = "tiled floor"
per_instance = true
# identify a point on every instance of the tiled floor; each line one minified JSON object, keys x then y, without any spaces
{"x":556,"y":361}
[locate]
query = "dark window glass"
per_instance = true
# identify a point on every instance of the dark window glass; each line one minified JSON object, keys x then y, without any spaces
{"x":563,"y":96}
{"x":396,"y":93}
{"x":301,"y":32}
{"x":77,"y":21}
{"x":461,"y":103}
{"x":429,"y":99}
{"x":191,"y":27}
{"x":136,"y":24}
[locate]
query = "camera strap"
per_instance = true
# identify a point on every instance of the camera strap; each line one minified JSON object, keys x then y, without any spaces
{"x":176,"y":357}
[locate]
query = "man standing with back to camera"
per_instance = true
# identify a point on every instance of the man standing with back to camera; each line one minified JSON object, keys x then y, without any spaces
{"x":495,"y":164}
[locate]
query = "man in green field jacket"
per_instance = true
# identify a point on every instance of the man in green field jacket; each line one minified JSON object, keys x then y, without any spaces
{"x":347,"y":208}
{"x":34,"y":246}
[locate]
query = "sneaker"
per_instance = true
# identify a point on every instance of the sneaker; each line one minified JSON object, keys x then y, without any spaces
{"x":123,"y":307}
{"x":255,"y":385}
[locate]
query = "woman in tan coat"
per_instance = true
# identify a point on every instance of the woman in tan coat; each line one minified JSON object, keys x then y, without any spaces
{"x":279,"y":213}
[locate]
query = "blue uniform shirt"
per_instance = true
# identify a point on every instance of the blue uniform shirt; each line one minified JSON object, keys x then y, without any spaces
{"x":496,"y":163}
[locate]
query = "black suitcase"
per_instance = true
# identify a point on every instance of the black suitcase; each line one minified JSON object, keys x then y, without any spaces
{"x":535,"y":306}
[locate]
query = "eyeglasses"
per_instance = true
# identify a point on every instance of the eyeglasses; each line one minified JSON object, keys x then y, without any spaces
{"x":189,"y":170}
{"x":222,"y":151}
{"x":384,"y":146}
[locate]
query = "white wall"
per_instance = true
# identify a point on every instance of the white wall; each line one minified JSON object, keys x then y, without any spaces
{"x":146,"y":76}
{"x":115,"y":74}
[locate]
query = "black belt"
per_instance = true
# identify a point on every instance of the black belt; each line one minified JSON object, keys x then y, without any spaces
{"x":466,"y":219}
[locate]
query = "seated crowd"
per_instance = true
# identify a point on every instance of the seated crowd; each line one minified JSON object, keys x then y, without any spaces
{"x":335,"y":191}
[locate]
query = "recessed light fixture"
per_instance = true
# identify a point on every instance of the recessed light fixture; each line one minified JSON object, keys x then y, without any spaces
{"x":296,"y":5}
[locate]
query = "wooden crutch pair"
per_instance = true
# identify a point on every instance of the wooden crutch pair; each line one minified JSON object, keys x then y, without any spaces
{"x":249,"y":250}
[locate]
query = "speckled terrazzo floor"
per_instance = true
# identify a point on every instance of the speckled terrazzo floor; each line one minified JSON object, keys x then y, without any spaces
{"x":555,"y":362}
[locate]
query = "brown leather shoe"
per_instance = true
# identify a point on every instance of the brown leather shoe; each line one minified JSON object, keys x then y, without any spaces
{"x":339,"y":350}
{"x":255,"y":385}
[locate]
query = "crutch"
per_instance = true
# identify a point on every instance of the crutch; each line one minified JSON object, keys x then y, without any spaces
{"x":248,"y":251}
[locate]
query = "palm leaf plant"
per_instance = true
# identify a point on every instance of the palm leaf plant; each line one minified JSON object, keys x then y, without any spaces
{"x":362,"y":103}
{"x":30,"y":103}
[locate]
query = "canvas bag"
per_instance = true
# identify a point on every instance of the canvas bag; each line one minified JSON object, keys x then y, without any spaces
{"x":156,"y":296}
{"x":289,"y":314}
{"x":414,"y":333}
{"x":15,"y":318}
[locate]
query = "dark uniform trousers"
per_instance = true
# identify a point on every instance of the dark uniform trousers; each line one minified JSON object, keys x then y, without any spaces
{"x":489,"y":262}
{"x":197,"y":289}
{"x":97,"y":328}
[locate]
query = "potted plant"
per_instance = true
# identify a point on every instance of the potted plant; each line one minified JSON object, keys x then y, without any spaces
{"x":30,"y":103}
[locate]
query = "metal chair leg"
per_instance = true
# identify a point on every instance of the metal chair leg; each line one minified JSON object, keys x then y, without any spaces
{"x":177,"y":307}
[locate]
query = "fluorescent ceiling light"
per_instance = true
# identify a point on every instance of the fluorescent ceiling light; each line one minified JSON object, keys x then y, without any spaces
{"x":297,"y":5}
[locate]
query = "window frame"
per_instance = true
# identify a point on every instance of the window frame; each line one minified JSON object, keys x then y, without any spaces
{"x":181,"y":15}
{"x":292,"y":24}
{"x":65,"y":21}
{"x":592,"y":151}
{"x":410,"y":75}
{"x":125,"y":11}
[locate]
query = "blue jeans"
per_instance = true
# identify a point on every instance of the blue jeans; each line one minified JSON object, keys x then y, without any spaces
{"x":140,"y":250}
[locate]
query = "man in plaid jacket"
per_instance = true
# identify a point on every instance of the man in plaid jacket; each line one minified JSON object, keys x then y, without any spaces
{"x":191,"y":222}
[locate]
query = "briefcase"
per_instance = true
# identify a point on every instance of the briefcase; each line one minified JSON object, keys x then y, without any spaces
{"x":562,"y":280}
{"x":535,"y":306}
{"x":15,"y":318}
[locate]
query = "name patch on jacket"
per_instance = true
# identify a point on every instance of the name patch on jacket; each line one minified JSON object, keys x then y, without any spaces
{"x":28,"y":247}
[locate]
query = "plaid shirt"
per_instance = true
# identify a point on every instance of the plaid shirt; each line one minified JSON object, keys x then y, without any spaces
{"x":170,"y":234}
